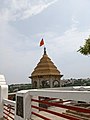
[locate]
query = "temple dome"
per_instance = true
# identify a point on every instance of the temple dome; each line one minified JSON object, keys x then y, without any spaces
{"x":45,"y":67}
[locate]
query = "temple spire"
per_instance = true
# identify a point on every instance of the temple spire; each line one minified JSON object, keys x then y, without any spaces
{"x":44,"y":50}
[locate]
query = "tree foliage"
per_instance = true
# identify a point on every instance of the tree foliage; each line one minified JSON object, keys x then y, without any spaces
{"x":85,"y":49}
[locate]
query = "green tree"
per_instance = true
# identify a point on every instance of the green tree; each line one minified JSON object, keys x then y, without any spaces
{"x":85,"y":49}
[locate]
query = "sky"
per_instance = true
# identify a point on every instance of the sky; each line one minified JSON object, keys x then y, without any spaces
{"x":64,"y":26}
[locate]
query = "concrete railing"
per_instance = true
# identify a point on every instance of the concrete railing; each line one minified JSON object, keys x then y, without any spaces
{"x":27,"y":103}
{"x":9,"y":109}
{"x":3,"y":93}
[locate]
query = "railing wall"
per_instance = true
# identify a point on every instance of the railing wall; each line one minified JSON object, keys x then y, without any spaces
{"x":30,"y":104}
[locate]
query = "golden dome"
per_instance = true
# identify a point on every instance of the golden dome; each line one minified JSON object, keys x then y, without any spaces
{"x":45,"y":67}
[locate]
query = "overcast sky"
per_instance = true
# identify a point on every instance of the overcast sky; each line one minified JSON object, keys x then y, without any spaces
{"x":63,"y":24}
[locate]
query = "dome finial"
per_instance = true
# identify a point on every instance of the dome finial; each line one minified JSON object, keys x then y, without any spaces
{"x":44,"y":50}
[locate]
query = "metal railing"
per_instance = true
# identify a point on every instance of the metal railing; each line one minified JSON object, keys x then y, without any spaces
{"x":8,"y":109}
{"x":49,"y":103}
{"x":59,"y":104}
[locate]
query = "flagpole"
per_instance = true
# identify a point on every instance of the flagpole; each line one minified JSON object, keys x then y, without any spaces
{"x":42,"y":43}
{"x":44,"y":49}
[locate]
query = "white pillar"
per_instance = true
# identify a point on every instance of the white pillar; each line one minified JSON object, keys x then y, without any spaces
{"x":3,"y":93}
{"x":35,"y":104}
{"x":23,"y":105}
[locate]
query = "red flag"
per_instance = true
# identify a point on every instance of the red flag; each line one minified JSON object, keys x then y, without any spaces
{"x":42,"y":42}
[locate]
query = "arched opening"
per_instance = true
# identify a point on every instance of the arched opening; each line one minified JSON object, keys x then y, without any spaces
{"x":56,"y":83}
{"x":45,"y":84}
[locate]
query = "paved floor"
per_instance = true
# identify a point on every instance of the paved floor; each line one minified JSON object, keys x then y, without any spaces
{"x":48,"y":115}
